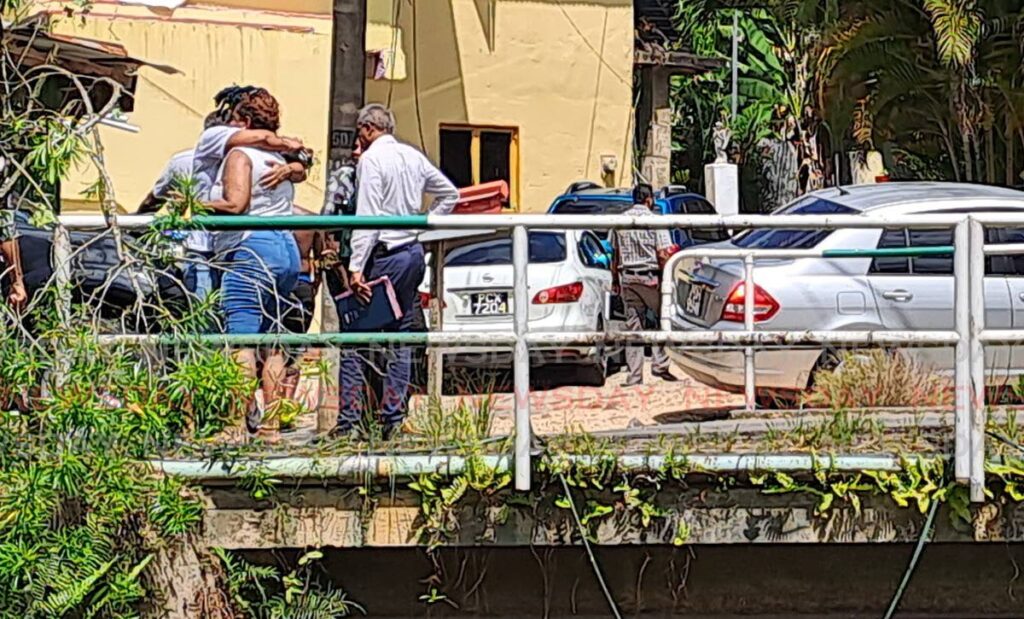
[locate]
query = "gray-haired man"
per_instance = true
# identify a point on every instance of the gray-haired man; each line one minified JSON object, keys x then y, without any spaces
{"x":392,"y":180}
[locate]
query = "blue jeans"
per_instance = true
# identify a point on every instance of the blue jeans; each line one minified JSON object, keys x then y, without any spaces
{"x":200,"y":277}
{"x":259,"y":275}
{"x":405,"y":268}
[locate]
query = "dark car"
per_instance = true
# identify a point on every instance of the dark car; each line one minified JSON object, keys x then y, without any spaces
{"x":97,"y":275}
{"x":586,"y":198}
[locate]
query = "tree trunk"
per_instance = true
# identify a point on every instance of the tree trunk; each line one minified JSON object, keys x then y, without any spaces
{"x":188,"y":581}
{"x":951,"y":151}
{"x":968,"y":157}
{"x":990,"y":155}
{"x":1011,"y":146}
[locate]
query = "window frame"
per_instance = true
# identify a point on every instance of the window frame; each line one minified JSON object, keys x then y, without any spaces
{"x":474,"y":153}
{"x":908,"y":261}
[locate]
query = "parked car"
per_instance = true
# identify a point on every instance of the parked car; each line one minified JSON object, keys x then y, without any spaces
{"x":97,"y":275}
{"x":586,"y":198}
{"x":850,"y":293}
{"x":569,"y":282}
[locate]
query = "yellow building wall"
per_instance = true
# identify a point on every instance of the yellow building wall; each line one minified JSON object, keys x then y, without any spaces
{"x":559,"y":72}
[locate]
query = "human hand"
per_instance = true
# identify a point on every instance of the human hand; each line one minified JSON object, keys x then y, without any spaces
{"x":359,"y":287}
{"x":17,"y":297}
{"x":293,"y":143}
{"x":277,"y":174}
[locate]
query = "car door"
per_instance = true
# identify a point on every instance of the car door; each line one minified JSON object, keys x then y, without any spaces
{"x":917,"y":294}
{"x":596,"y":271}
{"x":1011,"y":268}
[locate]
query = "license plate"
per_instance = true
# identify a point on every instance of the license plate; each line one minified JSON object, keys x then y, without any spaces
{"x":488,"y":303}
{"x":694,"y":301}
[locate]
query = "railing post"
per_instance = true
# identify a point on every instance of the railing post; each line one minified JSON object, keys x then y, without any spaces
{"x":62,"y":281}
{"x":962,"y":324}
{"x":749,"y":380}
{"x":521,"y":365}
{"x":976,"y":282}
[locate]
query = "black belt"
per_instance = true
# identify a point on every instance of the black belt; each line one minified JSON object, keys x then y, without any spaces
{"x":381,"y":249}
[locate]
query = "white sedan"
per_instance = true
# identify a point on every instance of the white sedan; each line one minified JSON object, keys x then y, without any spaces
{"x":569,"y":279}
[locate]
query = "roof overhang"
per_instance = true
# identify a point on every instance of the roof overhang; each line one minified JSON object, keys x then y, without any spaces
{"x":32,"y":46}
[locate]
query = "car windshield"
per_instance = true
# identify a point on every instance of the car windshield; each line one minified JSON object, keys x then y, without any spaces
{"x":582,"y":206}
{"x":792,"y":238}
{"x":545,"y":247}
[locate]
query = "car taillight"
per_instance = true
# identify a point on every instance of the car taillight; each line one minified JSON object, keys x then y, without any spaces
{"x":764,"y":305}
{"x":426,"y":298}
{"x":569,"y":293}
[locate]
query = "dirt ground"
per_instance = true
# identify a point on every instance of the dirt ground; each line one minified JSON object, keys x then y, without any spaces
{"x":558,"y":409}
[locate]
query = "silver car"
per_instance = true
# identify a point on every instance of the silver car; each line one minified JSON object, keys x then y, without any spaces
{"x":848,"y":293}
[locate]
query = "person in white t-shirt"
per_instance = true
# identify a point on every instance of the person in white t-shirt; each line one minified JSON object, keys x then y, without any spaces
{"x":198,"y":278}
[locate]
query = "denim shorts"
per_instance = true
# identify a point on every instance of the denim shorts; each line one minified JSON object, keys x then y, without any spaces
{"x":259,"y":277}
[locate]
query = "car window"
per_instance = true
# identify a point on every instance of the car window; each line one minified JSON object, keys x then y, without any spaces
{"x":696,"y":206}
{"x":583,"y":206}
{"x":788,"y":238}
{"x":1004,"y":265}
{"x":592,"y":252}
{"x":545,"y":247}
{"x":918,"y":265}
{"x":886,"y":264}
{"x":931,"y":265}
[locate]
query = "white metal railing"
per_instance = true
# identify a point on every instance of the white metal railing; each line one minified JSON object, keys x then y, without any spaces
{"x":968,"y":337}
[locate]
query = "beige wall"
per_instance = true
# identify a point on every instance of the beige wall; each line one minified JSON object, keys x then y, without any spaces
{"x":536,"y":66}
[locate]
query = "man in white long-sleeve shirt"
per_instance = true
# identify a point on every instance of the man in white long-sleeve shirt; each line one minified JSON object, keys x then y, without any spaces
{"x":393,"y":177}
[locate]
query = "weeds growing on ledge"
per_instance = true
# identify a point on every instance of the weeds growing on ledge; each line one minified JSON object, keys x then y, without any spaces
{"x":878,"y":378}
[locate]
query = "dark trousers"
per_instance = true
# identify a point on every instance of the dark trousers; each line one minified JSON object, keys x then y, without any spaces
{"x":404,"y":267}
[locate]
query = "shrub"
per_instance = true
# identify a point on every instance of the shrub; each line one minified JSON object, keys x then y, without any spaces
{"x":878,"y":378}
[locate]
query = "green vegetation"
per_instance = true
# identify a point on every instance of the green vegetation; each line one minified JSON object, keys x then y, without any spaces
{"x":934,"y":85}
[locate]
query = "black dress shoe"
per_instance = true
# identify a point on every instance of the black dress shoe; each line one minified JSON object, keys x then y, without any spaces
{"x":344,"y":432}
{"x":665,"y":375}
{"x":388,"y":430}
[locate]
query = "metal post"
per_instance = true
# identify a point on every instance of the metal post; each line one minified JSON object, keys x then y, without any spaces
{"x":435,"y":359}
{"x":521,"y":313}
{"x":979,"y":413}
{"x":735,"y":64}
{"x":962,"y":324}
{"x":749,"y":382}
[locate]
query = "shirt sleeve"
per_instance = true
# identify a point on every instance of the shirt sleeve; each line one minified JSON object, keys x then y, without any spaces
{"x":369,"y":201}
{"x":166,"y":179}
{"x":437,"y":184}
{"x":213,"y":142}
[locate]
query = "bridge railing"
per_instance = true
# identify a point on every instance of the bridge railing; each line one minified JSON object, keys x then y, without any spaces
{"x":968,"y":337}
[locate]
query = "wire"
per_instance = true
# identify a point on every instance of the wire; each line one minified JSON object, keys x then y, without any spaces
{"x":590,"y":551}
{"x":397,"y":12}
{"x":1000,"y":437}
{"x":926,"y":533}
{"x":586,"y":42}
{"x":416,"y":79}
